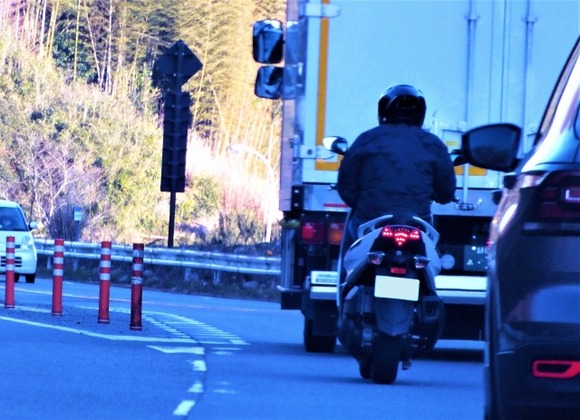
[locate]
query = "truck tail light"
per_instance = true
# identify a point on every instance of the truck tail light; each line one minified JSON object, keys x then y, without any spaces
{"x":559,"y":196}
{"x":335,"y":233}
{"x":319,"y":233}
{"x":313,"y":233}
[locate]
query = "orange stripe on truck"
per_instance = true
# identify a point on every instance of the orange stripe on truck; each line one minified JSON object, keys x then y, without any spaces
{"x":473,"y":170}
{"x":322,"y":165}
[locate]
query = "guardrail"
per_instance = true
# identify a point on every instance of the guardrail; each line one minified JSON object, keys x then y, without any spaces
{"x":175,"y":257}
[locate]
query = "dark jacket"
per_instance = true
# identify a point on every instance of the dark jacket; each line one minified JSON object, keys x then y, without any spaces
{"x":396,"y":168}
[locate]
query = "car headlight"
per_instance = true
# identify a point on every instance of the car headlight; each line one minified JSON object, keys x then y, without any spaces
{"x":27,"y":242}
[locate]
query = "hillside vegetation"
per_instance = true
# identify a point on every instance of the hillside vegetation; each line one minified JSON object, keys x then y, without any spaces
{"x":81,"y":120}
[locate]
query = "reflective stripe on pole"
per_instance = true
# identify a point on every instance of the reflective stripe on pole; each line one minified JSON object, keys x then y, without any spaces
{"x":9,"y":292}
{"x":57,"y":276}
{"x":104,"y":282}
{"x":137,"y":287}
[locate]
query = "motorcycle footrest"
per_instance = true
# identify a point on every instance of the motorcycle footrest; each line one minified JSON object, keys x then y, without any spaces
{"x":430,"y":309}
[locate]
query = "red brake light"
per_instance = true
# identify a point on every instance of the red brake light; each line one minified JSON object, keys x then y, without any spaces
{"x":401,"y":234}
{"x":556,"y":369}
{"x":313,"y":233}
{"x":559,"y":196}
{"x":571,"y":194}
{"x":398,"y":270}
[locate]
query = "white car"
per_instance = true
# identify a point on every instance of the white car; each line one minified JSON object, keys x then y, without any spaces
{"x":14,"y":223}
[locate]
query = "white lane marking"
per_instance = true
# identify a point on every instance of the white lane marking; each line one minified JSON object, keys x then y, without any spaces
{"x":184,"y":408}
{"x":199,"y":366}
{"x":196,"y":388}
{"x":106,"y":336}
{"x":204,"y":333}
{"x":224,"y":391}
{"x":171,"y":350}
{"x":224,"y":352}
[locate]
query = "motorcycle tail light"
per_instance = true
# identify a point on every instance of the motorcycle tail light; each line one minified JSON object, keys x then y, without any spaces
{"x":335,"y":233}
{"x":398,"y":270}
{"x":401,"y":234}
{"x":313,"y":233}
{"x":375,"y":258}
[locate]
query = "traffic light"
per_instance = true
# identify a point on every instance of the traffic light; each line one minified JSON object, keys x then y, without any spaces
{"x":176,"y":122}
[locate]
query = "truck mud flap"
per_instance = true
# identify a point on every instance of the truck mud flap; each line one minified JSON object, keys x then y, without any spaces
{"x":324,"y":315}
{"x":291,"y":299}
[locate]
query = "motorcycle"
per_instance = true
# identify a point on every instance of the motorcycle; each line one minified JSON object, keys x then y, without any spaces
{"x":388,"y":308}
{"x":389,"y":311}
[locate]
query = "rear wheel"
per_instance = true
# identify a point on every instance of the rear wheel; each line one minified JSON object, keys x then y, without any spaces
{"x":386,"y":356}
{"x":317,"y":343}
{"x":364,"y":367}
{"x":30,"y":278}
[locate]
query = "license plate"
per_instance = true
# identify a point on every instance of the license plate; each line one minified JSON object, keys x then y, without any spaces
{"x":396,"y":288}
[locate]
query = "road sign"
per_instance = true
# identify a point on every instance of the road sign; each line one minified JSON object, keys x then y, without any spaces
{"x":178,"y":64}
{"x":170,"y":72}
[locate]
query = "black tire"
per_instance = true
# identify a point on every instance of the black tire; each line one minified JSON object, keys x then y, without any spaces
{"x":16,"y":277}
{"x":364,"y":367}
{"x":317,"y":343}
{"x":30,"y":278}
{"x":491,"y":409}
{"x":386,"y":356}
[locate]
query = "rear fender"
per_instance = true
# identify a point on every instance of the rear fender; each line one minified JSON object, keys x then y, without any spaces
{"x":394,"y":316}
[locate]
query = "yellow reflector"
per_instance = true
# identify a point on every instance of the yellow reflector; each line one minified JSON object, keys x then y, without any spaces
{"x":473,"y":170}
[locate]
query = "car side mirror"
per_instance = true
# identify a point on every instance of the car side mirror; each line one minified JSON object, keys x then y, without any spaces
{"x":493,"y":146}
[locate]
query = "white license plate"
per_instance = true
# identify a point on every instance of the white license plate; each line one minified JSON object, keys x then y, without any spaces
{"x":396,"y":288}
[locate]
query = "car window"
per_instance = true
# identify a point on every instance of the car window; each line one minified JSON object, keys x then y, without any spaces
{"x":577,"y":125}
{"x":12,"y":219}
{"x":563,"y":90}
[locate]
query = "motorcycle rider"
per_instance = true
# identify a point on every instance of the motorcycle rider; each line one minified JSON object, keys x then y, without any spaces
{"x":396,"y":167}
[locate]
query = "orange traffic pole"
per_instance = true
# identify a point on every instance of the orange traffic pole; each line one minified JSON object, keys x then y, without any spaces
{"x":137,"y":287}
{"x":57,"y":276}
{"x":104,"y":282}
{"x":9,"y":292}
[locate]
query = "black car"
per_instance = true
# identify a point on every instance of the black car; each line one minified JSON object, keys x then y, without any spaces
{"x":532,"y":356}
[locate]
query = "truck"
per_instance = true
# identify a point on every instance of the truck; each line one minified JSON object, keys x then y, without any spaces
{"x":476,"y":62}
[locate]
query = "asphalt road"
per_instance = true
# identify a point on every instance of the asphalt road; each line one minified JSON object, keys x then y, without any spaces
{"x":206,"y":358}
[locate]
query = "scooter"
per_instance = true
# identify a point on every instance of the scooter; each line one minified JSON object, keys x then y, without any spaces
{"x":389,"y":311}
{"x":388,"y":308}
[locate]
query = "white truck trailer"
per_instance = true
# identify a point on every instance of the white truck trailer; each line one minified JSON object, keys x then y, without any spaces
{"x":476,"y":62}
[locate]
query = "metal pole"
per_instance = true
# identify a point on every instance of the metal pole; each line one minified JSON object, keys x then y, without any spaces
{"x":172,"y":199}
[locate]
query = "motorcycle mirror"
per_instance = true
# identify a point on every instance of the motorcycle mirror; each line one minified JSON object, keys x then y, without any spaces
{"x":338,"y":145}
{"x":459,"y":157}
{"x":459,"y":160}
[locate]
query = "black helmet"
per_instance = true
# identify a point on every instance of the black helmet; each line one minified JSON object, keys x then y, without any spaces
{"x":402,"y":104}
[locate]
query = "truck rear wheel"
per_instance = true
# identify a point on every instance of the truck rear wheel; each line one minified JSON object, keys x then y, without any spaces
{"x":317,"y":343}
